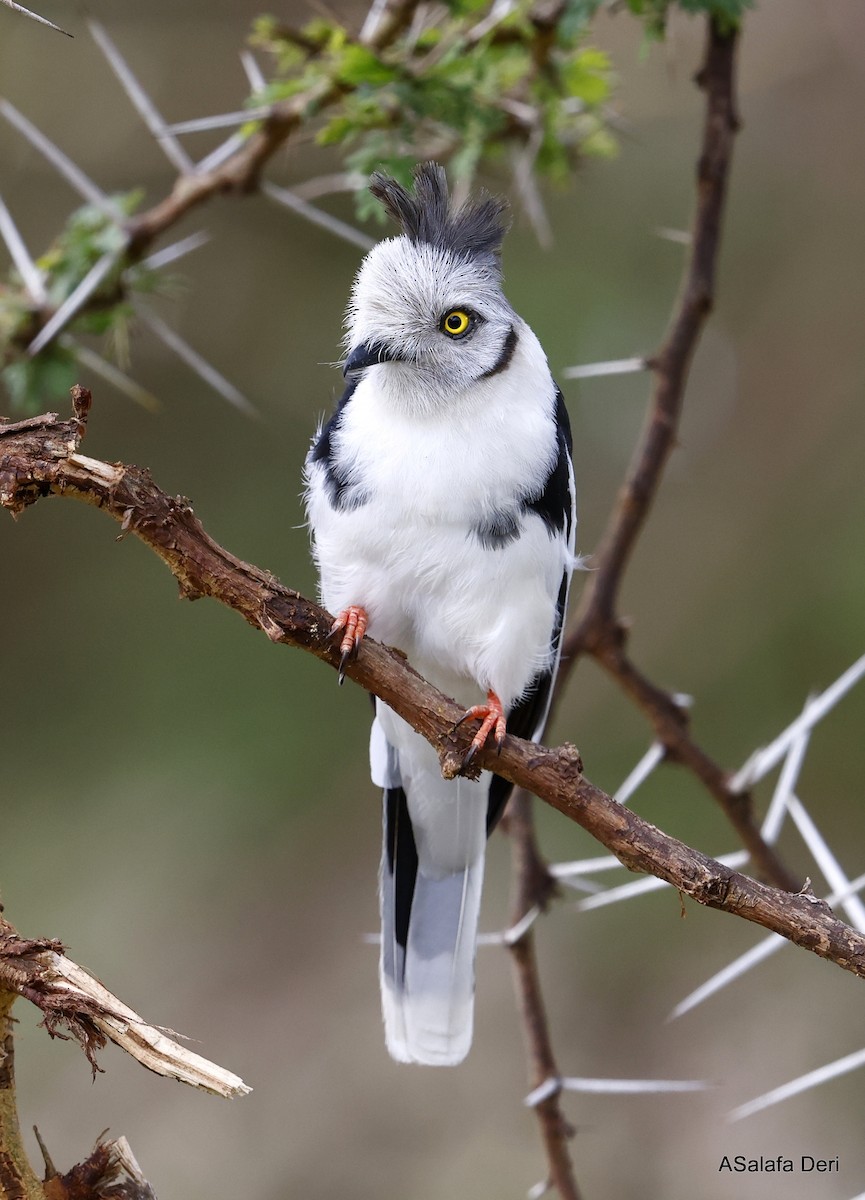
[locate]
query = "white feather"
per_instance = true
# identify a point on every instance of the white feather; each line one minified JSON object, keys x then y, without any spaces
{"x":428,"y":991}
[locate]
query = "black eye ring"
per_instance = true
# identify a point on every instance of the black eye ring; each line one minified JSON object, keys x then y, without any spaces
{"x":457,"y":322}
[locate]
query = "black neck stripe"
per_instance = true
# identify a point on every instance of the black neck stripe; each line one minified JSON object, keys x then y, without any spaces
{"x":510,"y":345}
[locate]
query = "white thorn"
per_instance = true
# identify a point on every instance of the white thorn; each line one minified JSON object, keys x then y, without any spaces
{"x":681,"y":236}
{"x":649,"y":883}
{"x":529,"y":191}
{"x":801,"y":1084}
{"x":500,"y":10}
{"x":633,"y":1087}
{"x":176,"y":250}
{"x":220,"y":121}
{"x":763,"y":760}
{"x":777,"y":810}
{"x":254,"y":75}
{"x":764,"y":949}
{"x":329,"y":185}
{"x":316,"y":216}
{"x":641,"y":772}
{"x":222,"y":152}
{"x":193,"y":359}
{"x":111,"y":374}
{"x":751,"y":958}
{"x":371,"y":21}
{"x":34,"y":16}
{"x":615,"y":366}
{"x":75,"y":300}
{"x":578,"y":884}
{"x":550,"y":1087}
{"x":826,"y":861}
{"x":73,"y":175}
{"x":510,"y":936}
{"x":142,"y":103}
{"x":31,"y":276}
{"x":584,"y":866}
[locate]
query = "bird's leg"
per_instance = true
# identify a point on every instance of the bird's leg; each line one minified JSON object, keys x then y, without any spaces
{"x":351,"y":622}
{"x":492,"y":717}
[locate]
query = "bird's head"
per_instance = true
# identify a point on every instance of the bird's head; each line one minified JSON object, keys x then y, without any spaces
{"x":427,"y":311}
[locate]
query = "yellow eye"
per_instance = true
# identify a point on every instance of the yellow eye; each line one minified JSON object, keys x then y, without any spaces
{"x":455,"y":323}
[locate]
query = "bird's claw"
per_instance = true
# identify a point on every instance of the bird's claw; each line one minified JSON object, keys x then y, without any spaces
{"x":352,"y":623}
{"x":492,"y":719}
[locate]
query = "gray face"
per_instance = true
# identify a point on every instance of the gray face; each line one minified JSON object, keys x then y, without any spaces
{"x":436,"y":322}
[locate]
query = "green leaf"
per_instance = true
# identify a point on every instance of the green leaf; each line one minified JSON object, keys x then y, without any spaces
{"x":576,"y":20}
{"x":727,"y":13}
{"x":356,"y":65}
{"x":587,"y":76}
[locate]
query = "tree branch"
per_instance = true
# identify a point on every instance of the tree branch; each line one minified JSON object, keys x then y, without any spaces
{"x":596,"y":628}
{"x":39,"y":457}
{"x":535,"y":886}
{"x":17,"y":1178}
{"x":241,"y":173}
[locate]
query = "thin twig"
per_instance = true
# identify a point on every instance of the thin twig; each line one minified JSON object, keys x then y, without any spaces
{"x":596,"y":629}
{"x":241,"y":172}
{"x":534,"y":887}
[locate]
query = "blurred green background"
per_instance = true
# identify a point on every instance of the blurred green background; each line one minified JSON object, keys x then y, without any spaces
{"x":187,"y":806}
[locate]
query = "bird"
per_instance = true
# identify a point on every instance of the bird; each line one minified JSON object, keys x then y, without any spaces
{"x":441,"y":504}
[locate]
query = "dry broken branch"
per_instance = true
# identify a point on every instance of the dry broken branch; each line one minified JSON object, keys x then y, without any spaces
{"x":110,"y":1172}
{"x":75,"y":1005}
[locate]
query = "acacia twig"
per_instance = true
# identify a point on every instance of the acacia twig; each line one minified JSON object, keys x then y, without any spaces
{"x":39,"y":457}
{"x":241,"y":173}
{"x":535,"y":886}
{"x":596,"y":629}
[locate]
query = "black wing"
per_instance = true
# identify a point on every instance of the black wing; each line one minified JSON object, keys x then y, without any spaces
{"x":339,"y":489}
{"x":556,"y":507}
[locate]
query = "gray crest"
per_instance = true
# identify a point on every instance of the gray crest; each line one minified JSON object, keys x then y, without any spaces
{"x":475,"y":230}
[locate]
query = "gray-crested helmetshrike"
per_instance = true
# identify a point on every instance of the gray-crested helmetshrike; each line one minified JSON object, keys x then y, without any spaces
{"x":441,"y":501}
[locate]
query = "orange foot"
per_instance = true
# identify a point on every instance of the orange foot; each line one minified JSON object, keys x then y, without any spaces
{"x":353,"y":621}
{"x":492,"y":717}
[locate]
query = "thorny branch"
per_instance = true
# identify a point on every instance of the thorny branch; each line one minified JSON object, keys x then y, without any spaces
{"x":597,"y":630}
{"x":534,"y":885}
{"x":39,"y":457}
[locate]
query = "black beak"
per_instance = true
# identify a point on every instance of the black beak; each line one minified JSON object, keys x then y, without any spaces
{"x":367,"y":355}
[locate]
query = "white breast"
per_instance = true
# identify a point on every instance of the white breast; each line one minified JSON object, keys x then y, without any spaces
{"x":469,"y":618}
